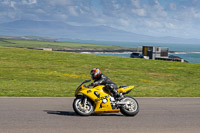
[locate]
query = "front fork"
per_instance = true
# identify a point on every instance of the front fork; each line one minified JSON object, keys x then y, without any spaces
{"x":84,"y":101}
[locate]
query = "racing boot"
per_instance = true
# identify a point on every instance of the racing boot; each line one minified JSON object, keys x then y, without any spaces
{"x":117,"y":96}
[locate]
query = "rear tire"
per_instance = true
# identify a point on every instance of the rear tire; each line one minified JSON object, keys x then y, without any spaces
{"x":80,"y":110}
{"x":130,"y":109}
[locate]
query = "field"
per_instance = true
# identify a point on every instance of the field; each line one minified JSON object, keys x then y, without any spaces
{"x":27,"y":72}
{"x":55,"y":45}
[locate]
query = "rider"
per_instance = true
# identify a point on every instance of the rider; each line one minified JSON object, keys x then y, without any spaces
{"x":101,"y":79}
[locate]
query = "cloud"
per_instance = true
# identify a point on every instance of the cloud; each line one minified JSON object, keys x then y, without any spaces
{"x":124,"y":22}
{"x":153,"y":24}
{"x":73,"y":11}
{"x":12,"y":4}
{"x":171,"y":26}
{"x":29,"y":2}
{"x":115,"y":5}
{"x":136,"y":3}
{"x":100,"y":20}
{"x":40,"y":11}
{"x":139,"y":12}
{"x":172,"y":6}
{"x":5,"y":2}
{"x":9,"y":3}
{"x":59,"y":2}
{"x":62,"y":16}
{"x":139,"y":16}
{"x":159,"y":10}
{"x":195,"y":13}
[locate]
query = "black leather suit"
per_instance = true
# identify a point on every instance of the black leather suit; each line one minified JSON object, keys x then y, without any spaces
{"x":104,"y":80}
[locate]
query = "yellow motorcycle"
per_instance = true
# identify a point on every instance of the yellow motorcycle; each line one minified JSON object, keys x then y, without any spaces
{"x":99,"y":100}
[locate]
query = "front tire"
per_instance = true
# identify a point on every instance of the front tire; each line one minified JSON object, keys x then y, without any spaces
{"x":130,"y":109}
{"x":83,"y":110}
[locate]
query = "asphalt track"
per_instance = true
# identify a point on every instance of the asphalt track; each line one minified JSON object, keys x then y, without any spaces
{"x":55,"y":115}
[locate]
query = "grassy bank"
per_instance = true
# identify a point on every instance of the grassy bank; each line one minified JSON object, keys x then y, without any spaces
{"x":25,"y":72}
{"x":54,"y":45}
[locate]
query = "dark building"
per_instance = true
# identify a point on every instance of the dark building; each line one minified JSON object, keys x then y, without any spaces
{"x":152,"y":52}
{"x":156,"y":53}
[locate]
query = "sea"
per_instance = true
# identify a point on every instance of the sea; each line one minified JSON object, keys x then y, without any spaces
{"x":189,"y":52}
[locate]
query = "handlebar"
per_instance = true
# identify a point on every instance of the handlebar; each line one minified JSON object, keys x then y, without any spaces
{"x":89,"y":86}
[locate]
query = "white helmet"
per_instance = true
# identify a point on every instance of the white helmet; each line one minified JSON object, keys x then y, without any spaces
{"x":95,"y":72}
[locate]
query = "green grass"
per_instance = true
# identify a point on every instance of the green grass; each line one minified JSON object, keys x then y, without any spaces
{"x":25,"y":72}
{"x":54,"y":45}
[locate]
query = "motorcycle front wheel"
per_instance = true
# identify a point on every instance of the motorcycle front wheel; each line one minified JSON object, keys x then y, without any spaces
{"x":83,"y":110}
{"x":131,"y":108}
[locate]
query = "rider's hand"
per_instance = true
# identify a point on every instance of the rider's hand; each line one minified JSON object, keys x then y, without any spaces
{"x":90,"y":85}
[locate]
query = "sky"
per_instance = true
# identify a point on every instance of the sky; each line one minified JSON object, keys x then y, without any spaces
{"x":177,"y":18}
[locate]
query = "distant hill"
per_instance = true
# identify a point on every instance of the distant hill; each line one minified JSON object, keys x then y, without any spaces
{"x":63,"y":30}
{"x":38,"y":38}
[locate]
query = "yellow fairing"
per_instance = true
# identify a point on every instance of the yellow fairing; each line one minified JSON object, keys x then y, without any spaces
{"x":100,"y":106}
{"x":100,"y":97}
{"x":125,"y":89}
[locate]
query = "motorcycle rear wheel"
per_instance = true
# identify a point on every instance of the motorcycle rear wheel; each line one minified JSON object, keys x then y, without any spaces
{"x":130,"y":109}
{"x":78,"y":107}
